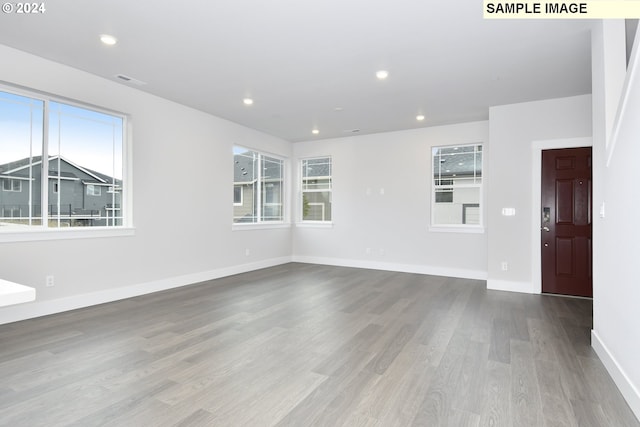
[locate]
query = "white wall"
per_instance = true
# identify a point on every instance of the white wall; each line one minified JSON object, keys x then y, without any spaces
{"x":616,"y":302}
{"x":393,"y":225}
{"x":514,"y":129}
{"x":174,"y":148}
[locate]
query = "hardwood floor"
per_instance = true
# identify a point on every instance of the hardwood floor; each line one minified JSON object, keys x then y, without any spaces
{"x":307,"y":345}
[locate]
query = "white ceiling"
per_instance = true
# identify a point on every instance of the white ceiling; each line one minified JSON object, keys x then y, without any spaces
{"x":312,"y":63}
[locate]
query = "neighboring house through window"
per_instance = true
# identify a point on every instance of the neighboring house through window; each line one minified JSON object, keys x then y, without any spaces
{"x":84,"y":152}
{"x":457,"y":186}
{"x":316,"y":189}
{"x":258,"y":184}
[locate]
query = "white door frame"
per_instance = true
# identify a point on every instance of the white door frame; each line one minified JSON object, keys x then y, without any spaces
{"x":536,"y":193}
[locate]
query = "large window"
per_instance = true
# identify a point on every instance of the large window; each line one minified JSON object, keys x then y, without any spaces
{"x":316,"y":189}
{"x":258,"y":187}
{"x":73,"y":152}
{"x":457,"y":186}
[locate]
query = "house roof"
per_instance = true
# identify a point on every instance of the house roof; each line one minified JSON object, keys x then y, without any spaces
{"x":20,"y":168}
{"x":19,"y":164}
{"x":245,"y":166}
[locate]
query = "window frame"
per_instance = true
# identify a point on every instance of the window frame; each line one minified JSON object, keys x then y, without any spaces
{"x":93,"y":191}
{"x":302,"y":191}
{"x":11,"y":188}
{"x":258,"y":187}
{"x":43,"y":231}
{"x":241,"y":192}
{"x":451,"y":185}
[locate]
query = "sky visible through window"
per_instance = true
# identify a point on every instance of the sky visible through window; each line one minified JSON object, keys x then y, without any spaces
{"x":89,"y":139}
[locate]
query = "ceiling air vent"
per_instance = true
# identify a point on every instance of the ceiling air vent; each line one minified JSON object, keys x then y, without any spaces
{"x":130,"y":80}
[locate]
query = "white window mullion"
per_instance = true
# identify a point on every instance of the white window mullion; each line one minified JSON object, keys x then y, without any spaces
{"x":59,"y":149}
{"x":113,"y":179}
{"x":44,"y":186}
{"x":30,"y":191}
{"x":259,"y":191}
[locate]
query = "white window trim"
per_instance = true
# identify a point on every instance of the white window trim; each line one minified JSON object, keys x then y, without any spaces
{"x":43,"y":232}
{"x":286,"y":189}
{"x":458,"y":228}
{"x":259,"y":226}
{"x":314,"y":224}
{"x":39,"y":234}
{"x":300,"y":222}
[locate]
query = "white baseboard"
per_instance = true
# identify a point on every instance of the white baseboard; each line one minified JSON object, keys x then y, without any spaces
{"x":390,"y":266}
{"x":511,"y":286}
{"x":625,"y":385}
{"x":43,"y":308}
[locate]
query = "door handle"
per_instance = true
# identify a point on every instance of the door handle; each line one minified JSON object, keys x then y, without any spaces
{"x":545,"y":228}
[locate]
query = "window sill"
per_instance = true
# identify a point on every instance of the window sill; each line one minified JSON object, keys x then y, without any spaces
{"x":64,"y":234}
{"x":261,"y":226}
{"x":314,"y":224}
{"x":456,"y":229}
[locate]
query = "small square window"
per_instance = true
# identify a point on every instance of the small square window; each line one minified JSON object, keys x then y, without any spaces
{"x":94,"y":190}
{"x":14,"y":185}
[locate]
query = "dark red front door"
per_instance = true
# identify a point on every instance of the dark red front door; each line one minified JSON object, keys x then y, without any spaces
{"x":565,"y":229}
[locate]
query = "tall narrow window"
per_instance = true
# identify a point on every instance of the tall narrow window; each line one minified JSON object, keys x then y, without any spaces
{"x":316,"y":189}
{"x":82,"y":171}
{"x":85,"y":156}
{"x":258,"y":183}
{"x":457,"y":186}
{"x":21,"y":142}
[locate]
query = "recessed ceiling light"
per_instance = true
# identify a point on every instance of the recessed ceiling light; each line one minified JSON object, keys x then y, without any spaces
{"x":419,"y":117}
{"x":382,"y":74}
{"x":248,"y":101}
{"x":315,"y":131}
{"x":108,"y":40}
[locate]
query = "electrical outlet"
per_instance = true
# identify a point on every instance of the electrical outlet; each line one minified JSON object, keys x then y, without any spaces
{"x":49,"y":281}
{"x":505,"y":266}
{"x":247,"y":252}
{"x":367,"y":251}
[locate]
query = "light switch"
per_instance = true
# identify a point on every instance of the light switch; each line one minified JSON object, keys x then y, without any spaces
{"x":509,"y":211}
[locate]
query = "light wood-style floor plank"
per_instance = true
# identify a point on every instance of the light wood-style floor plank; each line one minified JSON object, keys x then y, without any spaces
{"x":311,"y":345}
